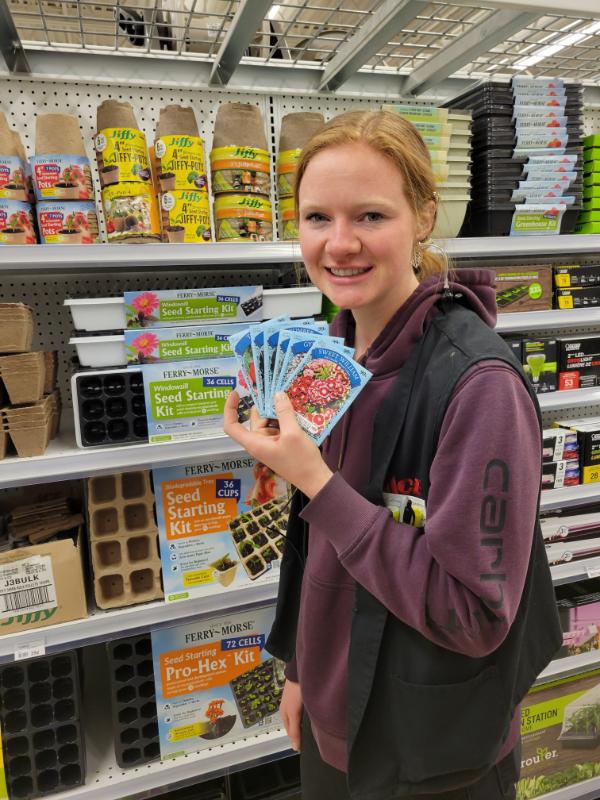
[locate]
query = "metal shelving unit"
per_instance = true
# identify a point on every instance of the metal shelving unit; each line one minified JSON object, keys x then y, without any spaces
{"x":570,"y":496}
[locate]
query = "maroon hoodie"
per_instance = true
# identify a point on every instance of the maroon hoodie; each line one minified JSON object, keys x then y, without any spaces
{"x":490,"y":415}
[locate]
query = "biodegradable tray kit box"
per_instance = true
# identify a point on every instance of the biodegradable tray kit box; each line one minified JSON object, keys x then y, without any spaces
{"x":221,"y":525}
{"x":539,"y":363}
{"x":215,"y":683}
{"x":560,"y":735}
{"x":578,"y":362}
{"x":523,"y":288}
{"x":41,"y":585}
{"x":169,"y":307}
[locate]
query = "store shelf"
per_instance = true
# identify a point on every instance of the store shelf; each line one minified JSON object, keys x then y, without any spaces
{"x":571,"y":496}
{"x":568,"y":666}
{"x":86,"y":259}
{"x":575,"y":571}
{"x":547,"y":320}
{"x":586,"y":790}
{"x":63,"y":460}
{"x":573,"y":398}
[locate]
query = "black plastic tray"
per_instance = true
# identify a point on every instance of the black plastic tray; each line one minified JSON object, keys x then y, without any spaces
{"x":133,"y":690}
{"x":111,"y":406}
{"x":267,"y":780}
{"x":40,"y":712}
{"x":496,"y":221}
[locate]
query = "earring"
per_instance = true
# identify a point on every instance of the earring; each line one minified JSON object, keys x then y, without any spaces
{"x":417,"y":258}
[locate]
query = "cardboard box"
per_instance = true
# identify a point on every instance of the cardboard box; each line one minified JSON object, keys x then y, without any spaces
{"x":539,"y":363}
{"x":560,"y":745}
{"x":578,"y":297}
{"x":557,"y":474}
{"x":588,"y":438}
{"x":559,"y":445}
{"x":576,"y":275}
{"x":523,"y":288}
{"x":578,"y":362}
{"x":579,"y":612}
{"x":41,"y":585}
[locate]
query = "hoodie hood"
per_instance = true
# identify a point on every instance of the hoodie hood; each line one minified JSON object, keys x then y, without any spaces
{"x":473,"y":288}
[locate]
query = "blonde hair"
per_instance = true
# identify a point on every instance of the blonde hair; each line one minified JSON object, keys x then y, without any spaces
{"x":399,"y":140}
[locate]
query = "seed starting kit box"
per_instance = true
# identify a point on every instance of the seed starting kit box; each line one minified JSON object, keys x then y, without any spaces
{"x":523,"y":288}
{"x":560,"y":735}
{"x":215,"y":682}
{"x":221,"y":526}
{"x":578,"y":362}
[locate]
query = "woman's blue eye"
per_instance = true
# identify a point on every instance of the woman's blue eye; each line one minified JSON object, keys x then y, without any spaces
{"x":315,"y":217}
{"x":373,"y":216}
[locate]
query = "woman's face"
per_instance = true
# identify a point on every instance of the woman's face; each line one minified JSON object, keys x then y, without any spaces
{"x":357,"y":230}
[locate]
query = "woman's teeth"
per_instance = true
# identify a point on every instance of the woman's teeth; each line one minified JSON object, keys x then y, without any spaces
{"x":348,"y":273}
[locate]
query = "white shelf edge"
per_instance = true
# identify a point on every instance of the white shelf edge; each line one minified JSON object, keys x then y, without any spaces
{"x":571,"y":398}
{"x":156,"y":255}
{"x":574,"y":570}
{"x":571,"y":496}
{"x":568,"y":666}
{"x":105,"y":625}
{"x":546,"y":320}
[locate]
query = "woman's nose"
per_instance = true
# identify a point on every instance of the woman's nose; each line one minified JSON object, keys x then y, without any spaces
{"x":343,"y":239}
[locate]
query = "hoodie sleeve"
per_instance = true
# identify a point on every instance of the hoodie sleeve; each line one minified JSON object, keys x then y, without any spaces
{"x":459,"y":580}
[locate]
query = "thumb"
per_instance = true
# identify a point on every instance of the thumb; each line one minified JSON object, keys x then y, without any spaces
{"x":285,"y":412}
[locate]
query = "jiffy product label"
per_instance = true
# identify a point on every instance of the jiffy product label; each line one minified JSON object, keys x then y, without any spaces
{"x":185,"y":217}
{"x":287,"y":219}
{"x":242,"y":218}
{"x":221,"y":526}
{"x":130,"y":209}
{"x":287,"y":161}
{"x":170,"y":307}
{"x":179,"y":344}
{"x":62,"y":177}
{"x":186,"y":400}
{"x":122,"y":156}
{"x":240,"y":169}
{"x":537,"y":219}
{"x":27,"y":586}
{"x":215,"y":682}
{"x":67,"y":222}
{"x":16,"y":223}
{"x":13,"y":179}
{"x":180,"y":163}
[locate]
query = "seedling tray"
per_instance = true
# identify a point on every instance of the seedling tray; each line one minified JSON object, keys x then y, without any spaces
{"x":42,"y":738}
{"x":109,"y":407}
{"x":257,"y":693}
{"x":259,"y":535}
{"x":133,"y":691}
{"x":267,"y":780}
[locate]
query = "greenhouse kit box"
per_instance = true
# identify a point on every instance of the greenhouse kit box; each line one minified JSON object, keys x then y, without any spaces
{"x":539,"y":363}
{"x":560,"y":734}
{"x":578,"y":362}
{"x":579,"y":611}
{"x":168,"y":307}
{"x":578,"y":297}
{"x":221,"y":525}
{"x":575,"y":275}
{"x":523,"y":288}
{"x":588,"y":438}
{"x":215,"y":682}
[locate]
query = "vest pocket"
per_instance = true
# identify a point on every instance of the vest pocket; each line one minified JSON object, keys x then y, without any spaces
{"x":448,"y":728}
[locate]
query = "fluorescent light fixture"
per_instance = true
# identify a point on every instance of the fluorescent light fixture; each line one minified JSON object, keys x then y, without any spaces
{"x":552,"y":49}
{"x":274,"y":11}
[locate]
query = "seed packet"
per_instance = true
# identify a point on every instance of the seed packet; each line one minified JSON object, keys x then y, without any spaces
{"x":257,"y":342}
{"x":241,"y":344}
{"x":297,"y":348}
{"x":323,"y":386}
{"x":275,"y":348}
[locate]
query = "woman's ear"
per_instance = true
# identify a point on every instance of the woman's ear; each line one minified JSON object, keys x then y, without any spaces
{"x":427,"y":219}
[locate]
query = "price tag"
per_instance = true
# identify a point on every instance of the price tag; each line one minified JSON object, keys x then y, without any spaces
{"x":30,"y":650}
{"x":593,"y":572}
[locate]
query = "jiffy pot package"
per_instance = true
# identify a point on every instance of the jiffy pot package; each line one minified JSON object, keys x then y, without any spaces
{"x":221,"y":524}
{"x":215,"y":682}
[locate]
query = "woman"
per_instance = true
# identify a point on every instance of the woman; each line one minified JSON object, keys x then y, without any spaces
{"x":409,"y":646}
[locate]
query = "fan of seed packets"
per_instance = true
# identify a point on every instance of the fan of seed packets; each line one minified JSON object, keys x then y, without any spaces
{"x":297,"y":357}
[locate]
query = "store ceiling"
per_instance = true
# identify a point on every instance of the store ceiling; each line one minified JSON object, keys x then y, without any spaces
{"x":421,"y":42}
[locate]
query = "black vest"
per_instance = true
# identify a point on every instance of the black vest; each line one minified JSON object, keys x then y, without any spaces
{"x":421,"y":718}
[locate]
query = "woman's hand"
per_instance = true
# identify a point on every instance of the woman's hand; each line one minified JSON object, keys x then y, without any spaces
{"x":291,"y":712}
{"x":287,"y":450}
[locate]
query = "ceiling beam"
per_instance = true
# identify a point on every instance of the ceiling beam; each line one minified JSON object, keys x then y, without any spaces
{"x":574,"y":8}
{"x":498,"y":27}
{"x":10,"y":42}
{"x":247,"y":20}
{"x":378,"y":30}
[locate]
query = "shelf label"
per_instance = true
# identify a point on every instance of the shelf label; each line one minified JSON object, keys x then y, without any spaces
{"x":30,"y":650}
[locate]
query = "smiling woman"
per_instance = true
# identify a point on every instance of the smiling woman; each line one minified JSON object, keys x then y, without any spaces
{"x":408,"y":631}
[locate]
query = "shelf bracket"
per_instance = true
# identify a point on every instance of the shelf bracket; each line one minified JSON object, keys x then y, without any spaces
{"x":10,"y":42}
{"x":497,"y":28}
{"x":247,"y":20}
{"x":378,"y":30}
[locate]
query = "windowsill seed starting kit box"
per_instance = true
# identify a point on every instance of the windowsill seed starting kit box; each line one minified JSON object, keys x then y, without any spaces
{"x":215,"y":682}
{"x":221,"y":526}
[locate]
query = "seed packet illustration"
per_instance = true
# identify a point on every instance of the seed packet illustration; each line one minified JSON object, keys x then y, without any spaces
{"x":257,"y":341}
{"x":241,"y":344}
{"x":275,"y":349}
{"x":297,"y":348}
{"x":323,"y":386}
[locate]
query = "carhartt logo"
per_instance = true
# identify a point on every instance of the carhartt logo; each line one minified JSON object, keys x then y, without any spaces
{"x":404,"y":486}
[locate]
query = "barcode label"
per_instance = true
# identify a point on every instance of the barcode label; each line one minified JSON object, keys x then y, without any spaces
{"x":26,"y":586}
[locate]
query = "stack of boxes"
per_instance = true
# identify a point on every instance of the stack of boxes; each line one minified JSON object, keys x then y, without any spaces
{"x":526,"y":157}
{"x":447,"y":135}
{"x":589,"y":219}
{"x":577,"y":286}
{"x":17,"y":225}
{"x":560,"y":459}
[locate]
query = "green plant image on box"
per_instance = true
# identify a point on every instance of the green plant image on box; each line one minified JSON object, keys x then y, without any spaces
{"x":188,"y":397}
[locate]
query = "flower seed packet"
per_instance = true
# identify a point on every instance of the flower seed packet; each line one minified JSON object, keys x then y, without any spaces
{"x":298,"y":347}
{"x":257,"y":341}
{"x":241,"y":344}
{"x":323,"y":386}
{"x":275,"y":349}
